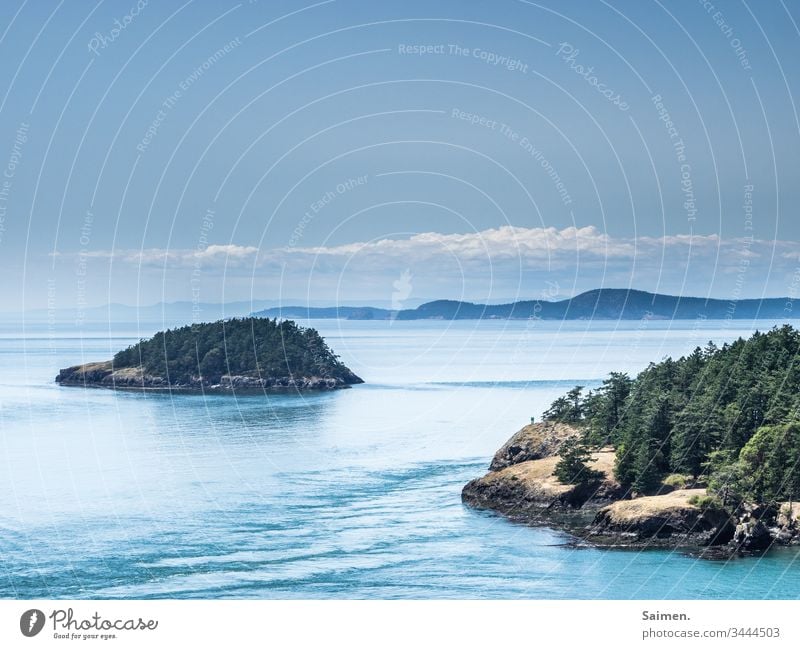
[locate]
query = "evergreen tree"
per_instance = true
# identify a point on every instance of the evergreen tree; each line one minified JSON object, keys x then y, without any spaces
{"x":726,"y":476}
{"x":770,"y":463}
{"x":255,"y":347}
{"x":647,"y":466}
{"x":567,"y":409}
{"x":606,"y":407}
{"x":697,"y":431}
{"x":699,"y":413}
{"x":572,"y":467}
{"x":574,"y":396}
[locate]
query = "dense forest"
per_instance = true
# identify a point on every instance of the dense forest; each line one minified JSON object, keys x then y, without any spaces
{"x":726,"y":416}
{"x":257,"y":347}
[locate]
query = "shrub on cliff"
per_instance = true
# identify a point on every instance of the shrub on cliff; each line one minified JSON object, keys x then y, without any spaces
{"x":572,"y":468}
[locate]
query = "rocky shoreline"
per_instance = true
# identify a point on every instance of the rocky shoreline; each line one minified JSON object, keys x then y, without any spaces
{"x":103,"y":375}
{"x":521,"y":485}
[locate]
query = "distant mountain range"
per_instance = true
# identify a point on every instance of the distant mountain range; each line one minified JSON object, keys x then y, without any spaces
{"x":164,"y":313}
{"x":599,"y":304}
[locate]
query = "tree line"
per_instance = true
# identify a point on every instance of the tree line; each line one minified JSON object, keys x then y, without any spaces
{"x":260,"y":347}
{"x":728,"y":416}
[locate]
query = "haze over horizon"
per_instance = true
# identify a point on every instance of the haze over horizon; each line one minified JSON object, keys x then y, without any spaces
{"x":394,"y":153}
{"x":185,"y":310}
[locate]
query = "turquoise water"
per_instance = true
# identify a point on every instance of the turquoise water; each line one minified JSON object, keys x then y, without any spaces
{"x":352,"y":494}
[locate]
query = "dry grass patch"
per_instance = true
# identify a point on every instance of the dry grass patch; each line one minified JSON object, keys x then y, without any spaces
{"x":626,"y":512}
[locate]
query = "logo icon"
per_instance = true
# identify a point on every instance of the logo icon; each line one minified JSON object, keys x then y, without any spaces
{"x":31,"y":622}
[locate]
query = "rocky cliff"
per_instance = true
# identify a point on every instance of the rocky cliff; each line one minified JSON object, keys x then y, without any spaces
{"x":521,"y":485}
{"x":103,"y":375}
{"x":681,"y":517}
{"x":533,"y":442}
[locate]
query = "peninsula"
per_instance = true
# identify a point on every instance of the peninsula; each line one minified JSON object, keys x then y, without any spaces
{"x":701,"y":453}
{"x":239,"y":354}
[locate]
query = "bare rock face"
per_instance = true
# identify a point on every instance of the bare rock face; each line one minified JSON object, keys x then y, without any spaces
{"x":752,"y":536}
{"x":787,"y":524}
{"x":89,"y":373}
{"x":675,"y":516}
{"x":533,"y":442}
{"x":103,"y":375}
{"x":757,"y":527}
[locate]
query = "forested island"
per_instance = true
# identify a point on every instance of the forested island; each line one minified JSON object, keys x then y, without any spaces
{"x":227,"y":355}
{"x":598,"y":304}
{"x":699,"y":451}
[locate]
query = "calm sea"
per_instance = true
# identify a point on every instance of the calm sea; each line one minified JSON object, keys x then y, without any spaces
{"x":352,"y":494}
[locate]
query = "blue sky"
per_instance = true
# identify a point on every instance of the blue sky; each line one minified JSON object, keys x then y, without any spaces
{"x":320,"y":151}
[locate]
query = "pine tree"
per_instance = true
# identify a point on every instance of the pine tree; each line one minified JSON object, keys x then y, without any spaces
{"x":572,"y":467}
{"x":703,"y":414}
{"x":647,"y":466}
{"x":567,"y":409}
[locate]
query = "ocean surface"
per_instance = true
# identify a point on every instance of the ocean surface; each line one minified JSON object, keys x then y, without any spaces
{"x":350,"y":494}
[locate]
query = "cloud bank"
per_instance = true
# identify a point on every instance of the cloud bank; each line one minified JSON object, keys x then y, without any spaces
{"x":505,"y":261}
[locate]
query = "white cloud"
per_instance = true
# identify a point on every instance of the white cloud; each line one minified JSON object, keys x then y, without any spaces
{"x":538,"y":248}
{"x":506,"y":242}
{"x":211,"y":256}
{"x":497,"y":257}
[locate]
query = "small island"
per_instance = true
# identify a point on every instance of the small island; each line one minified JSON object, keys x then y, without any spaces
{"x":700,"y":453}
{"x":234,"y":355}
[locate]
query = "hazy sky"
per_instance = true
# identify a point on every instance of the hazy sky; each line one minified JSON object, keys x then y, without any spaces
{"x":338,"y":150}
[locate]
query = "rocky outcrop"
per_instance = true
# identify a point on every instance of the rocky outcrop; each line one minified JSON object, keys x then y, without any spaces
{"x":786,"y":530}
{"x":521,"y":482}
{"x":752,"y":536}
{"x":103,"y":375}
{"x":533,"y":442}
{"x":759,"y":526}
{"x":521,"y":485}
{"x":681,"y":517}
{"x":528,"y":489}
{"x":88,"y":373}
